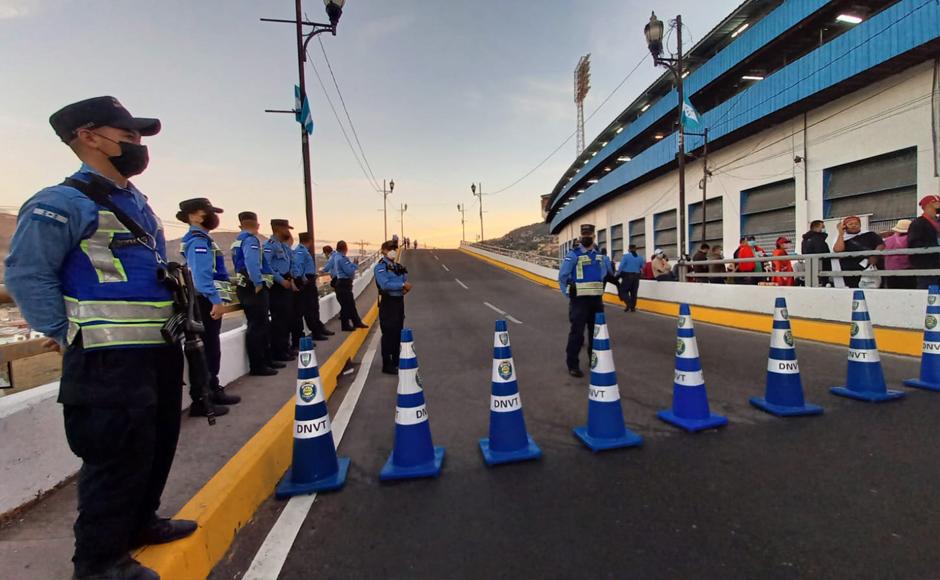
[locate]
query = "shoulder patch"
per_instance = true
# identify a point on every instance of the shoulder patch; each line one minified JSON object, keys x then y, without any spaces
{"x":267,"y":250}
{"x":254,"y":246}
{"x":48,"y":213}
{"x":201,"y":250}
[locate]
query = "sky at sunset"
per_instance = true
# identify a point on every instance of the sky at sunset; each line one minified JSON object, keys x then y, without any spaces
{"x":442,"y":93}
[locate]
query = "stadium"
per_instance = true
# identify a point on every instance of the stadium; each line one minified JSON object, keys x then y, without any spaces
{"x":813,"y":109}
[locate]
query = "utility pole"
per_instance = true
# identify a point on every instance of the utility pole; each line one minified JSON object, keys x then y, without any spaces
{"x":385,"y":194}
{"x":402,"y":209}
{"x":478,"y":193}
{"x":334,"y":9}
{"x":705,"y":175}
{"x":463,"y":230}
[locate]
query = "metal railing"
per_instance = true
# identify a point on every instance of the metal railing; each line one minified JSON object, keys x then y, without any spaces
{"x":808,"y":267}
{"x":531,"y":257}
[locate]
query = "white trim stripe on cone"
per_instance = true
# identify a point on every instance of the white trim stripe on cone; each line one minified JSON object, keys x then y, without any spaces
{"x":505,"y":404}
{"x":778,"y":339}
{"x":504,"y":371}
{"x":689,"y":348}
{"x":313,"y":428}
{"x":689,"y":378}
{"x":601,"y":332}
{"x":685,"y":322}
{"x":407,"y":350}
{"x":862,"y":330}
{"x":309,"y":392}
{"x":499,"y":337}
{"x":408,"y":382}
{"x":864,"y":355}
{"x":411,"y":415}
{"x":605,"y":361}
{"x":783,"y":367}
{"x":604,"y":394}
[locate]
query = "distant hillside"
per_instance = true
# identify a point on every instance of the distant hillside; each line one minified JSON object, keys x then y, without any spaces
{"x":531,"y":238}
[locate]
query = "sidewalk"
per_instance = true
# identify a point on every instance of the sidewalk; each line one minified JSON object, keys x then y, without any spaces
{"x":38,"y":545}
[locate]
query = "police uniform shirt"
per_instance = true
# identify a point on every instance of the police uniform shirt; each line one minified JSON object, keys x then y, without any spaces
{"x":343,"y":266}
{"x":198,"y":251}
{"x":278,"y":255}
{"x":302,"y":265}
{"x":568,"y":273}
{"x":388,"y":280}
{"x":50,"y":225}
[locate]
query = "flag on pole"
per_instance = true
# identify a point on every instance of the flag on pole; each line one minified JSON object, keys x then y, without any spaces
{"x":691,"y":119}
{"x":302,"y":111}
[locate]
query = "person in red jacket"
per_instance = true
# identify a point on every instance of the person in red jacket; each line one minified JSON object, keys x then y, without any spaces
{"x":745,"y":251}
{"x":783,"y":265}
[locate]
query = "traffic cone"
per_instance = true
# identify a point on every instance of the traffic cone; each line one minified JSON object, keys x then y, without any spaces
{"x":605,"y":428}
{"x":689,"y":399}
{"x":930,"y":359}
{"x":414,"y":454}
{"x":865,"y":379}
{"x":508,"y":441}
{"x":784,"y":392}
{"x":315,"y":465}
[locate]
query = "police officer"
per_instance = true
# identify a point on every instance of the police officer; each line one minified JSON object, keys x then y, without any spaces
{"x":80,"y":276}
{"x":581,"y":279}
{"x":392,"y":280}
{"x":278,"y":252}
{"x":307,"y":300}
{"x":210,"y":277}
{"x":329,"y":265}
{"x":345,"y":271}
{"x":253,"y":280}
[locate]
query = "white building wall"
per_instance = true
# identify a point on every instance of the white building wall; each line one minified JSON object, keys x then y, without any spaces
{"x":883,"y":117}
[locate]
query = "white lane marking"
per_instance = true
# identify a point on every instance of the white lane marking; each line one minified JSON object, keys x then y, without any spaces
{"x":445,"y":267}
{"x":457,"y":280}
{"x":503,"y":312}
{"x":277,"y":545}
{"x":436,"y":258}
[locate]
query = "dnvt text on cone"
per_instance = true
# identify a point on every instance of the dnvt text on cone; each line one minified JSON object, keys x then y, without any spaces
{"x":690,"y":409}
{"x":414,"y":454}
{"x":508,"y":441}
{"x":865,"y":380}
{"x":784,"y":390}
{"x":930,"y":357}
{"x":315,"y":464}
{"x":605,"y":428}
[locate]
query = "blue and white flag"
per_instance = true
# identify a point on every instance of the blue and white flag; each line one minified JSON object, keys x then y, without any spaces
{"x":691,"y":119}
{"x":302,"y":111}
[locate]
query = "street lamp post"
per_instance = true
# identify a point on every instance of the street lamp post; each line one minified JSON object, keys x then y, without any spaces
{"x":403,"y":208}
{"x":334,"y":9}
{"x":478,"y":193}
{"x":385,"y":194}
{"x":654,"y":40}
{"x":463,"y":229}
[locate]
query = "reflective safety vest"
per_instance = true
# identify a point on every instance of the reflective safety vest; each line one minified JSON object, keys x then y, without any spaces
{"x":238,"y":261}
{"x":219,"y":273}
{"x":589,"y":273}
{"x":112,"y":295}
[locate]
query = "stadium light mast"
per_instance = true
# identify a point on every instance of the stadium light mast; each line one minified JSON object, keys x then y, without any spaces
{"x":654,"y":40}
{"x":385,"y":193}
{"x":479,"y":195}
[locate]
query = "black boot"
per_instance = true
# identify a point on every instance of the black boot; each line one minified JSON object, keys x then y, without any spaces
{"x":198,"y":409}
{"x":220,"y":397}
{"x":124,"y":569}
{"x":325,"y":332}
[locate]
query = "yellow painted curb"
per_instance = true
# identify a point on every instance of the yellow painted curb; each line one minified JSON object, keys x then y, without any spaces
{"x":893,"y":340}
{"x":229,"y":500}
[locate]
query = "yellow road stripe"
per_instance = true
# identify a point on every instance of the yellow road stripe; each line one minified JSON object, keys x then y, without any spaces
{"x":893,"y":340}
{"x":229,"y":500}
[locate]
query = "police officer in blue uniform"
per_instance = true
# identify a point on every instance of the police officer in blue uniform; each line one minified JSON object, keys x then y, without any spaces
{"x":278,"y":252}
{"x":582,"y":279}
{"x":392,"y":281}
{"x":207,"y":264}
{"x":253,"y":280}
{"x":307,"y":300}
{"x":83,"y":279}
{"x":345,"y":271}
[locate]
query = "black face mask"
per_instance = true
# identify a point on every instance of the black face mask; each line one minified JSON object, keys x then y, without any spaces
{"x":133,"y":159}
{"x":210,"y":221}
{"x":587,"y":242}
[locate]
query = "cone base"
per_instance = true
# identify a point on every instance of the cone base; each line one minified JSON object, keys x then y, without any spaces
{"x":919,"y":384}
{"x":867,"y":396}
{"x":786,"y":411}
{"x":430,"y":469}
{"x":595,"y":444}
{"x":692,"y":425}
{"x":530,"y":451}
{"x":287,"y":488}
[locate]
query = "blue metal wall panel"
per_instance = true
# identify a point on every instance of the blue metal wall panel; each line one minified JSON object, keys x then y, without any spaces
{"x":747,"y":43}
{"x":899,"y":29}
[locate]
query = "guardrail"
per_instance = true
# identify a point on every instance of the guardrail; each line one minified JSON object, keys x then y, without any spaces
{"x":531,"y":257}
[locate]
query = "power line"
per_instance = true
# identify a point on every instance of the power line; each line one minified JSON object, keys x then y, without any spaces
{"x":348,"y":117}
{"x":571,"y":136}
{"x":340,"y":123}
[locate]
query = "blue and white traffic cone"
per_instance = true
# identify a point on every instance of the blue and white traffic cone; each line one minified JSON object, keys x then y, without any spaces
{"x":414,"y":454}
{"x":508,"y":441}
{"x":315,"y":465}
{"x":605,"y":428}
{"x":930,"y":359}
{"x":784,"y":392}
{"x":689,"y":399}
{"x":865,"y":378}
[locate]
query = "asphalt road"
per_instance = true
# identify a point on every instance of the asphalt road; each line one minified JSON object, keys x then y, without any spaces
{"x":847,"y":494}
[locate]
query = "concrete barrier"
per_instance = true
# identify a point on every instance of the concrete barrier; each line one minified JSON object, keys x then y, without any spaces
{"x":34,"y":455}
{"x":821,"y":314}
